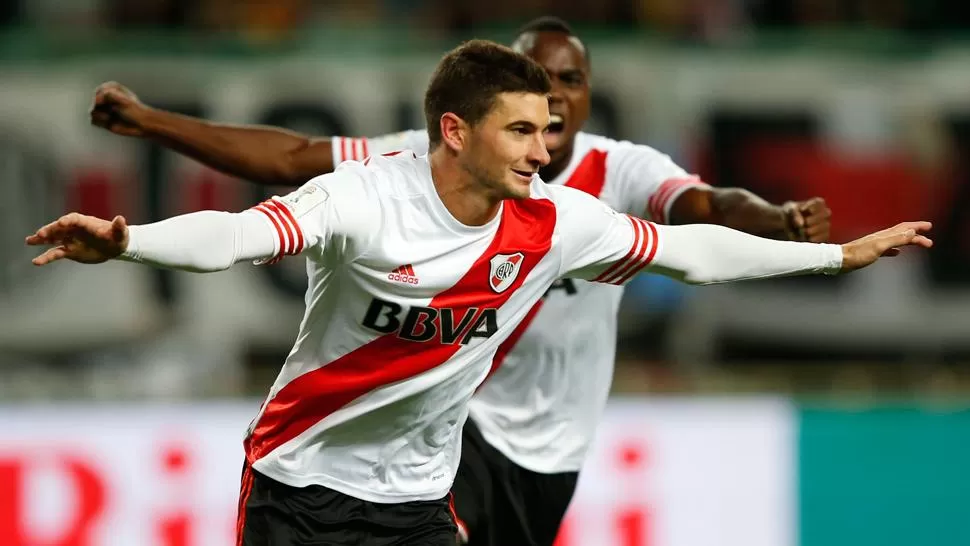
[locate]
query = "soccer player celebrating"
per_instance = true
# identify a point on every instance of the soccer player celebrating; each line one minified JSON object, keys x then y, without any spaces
{"x":358,"y":439}
{"x":532,"y":423}
{"x":512,"y":438}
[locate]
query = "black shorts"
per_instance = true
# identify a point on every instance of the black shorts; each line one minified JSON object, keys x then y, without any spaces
{"x":499,"y":503}
{"x":274,"y":514}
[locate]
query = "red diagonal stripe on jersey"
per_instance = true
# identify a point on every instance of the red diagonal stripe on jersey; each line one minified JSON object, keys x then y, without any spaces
{"x":363,"y":142}
{"x":411,"y":270}
{"x":513,"y":339}
{"x":590,"y":174}
{"x":637,"y":239}
{"x":654,"y":244}
{"x":526,"y":227}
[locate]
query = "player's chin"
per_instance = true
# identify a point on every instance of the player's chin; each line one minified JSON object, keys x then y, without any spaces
{"x":518,"y":186}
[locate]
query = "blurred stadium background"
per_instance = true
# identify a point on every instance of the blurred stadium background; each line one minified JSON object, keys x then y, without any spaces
{"x":800,"y":412}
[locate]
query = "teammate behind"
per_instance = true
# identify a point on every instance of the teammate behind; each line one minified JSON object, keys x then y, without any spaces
{"x":532,"y":423}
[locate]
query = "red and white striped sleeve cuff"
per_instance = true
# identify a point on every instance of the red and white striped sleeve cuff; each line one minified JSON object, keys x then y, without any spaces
{"x":658,"y":206}
{"x":291,"y":240}
{"x":646,"y":242}
{"x":349,"y":149}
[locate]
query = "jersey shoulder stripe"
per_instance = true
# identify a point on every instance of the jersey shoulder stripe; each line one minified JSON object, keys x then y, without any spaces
{"x":641,"y":253}
{"x":288,"y":231}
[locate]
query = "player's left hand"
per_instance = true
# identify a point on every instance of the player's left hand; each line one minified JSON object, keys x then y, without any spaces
{"x":809,"y":220}
{"x":81,"y":238}
{"x":888,"y":242}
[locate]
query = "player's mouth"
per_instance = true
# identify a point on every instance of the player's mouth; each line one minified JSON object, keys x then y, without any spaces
{"x":554,"y":133}
{"x":524,"y":176}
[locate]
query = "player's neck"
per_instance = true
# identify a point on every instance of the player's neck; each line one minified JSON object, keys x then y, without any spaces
{"x":460,"y":193}
{"x":557,"y":166}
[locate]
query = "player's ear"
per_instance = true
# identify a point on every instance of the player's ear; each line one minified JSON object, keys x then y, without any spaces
{"x":453,"y":132}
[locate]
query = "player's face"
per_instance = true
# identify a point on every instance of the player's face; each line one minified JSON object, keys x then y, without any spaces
{"x":564,"y":58}
{"x":507,"y":147}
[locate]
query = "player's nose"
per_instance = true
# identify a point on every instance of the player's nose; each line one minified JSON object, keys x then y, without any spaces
{"x":556,"y":93}
{"x":538,"y":154}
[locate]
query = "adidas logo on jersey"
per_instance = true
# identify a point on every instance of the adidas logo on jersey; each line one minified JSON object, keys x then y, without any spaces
{"x":404,"y":273}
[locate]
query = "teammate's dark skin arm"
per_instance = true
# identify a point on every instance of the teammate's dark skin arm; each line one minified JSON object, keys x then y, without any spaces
{"x":274,"y":156}
{"x":264,"y":155}
{"x":744,"y":211}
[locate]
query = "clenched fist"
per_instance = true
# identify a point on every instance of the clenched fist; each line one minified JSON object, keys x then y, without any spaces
{"x":808,"y":220}
{"x":118,"y":110}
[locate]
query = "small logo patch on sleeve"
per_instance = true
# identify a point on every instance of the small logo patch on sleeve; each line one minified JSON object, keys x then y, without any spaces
{"x":305,"y":199}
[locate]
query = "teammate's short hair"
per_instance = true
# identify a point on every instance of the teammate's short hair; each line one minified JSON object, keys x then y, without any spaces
{"x":470,"y":77}
{"x":551,"y":23}
{"x":546,"y":23}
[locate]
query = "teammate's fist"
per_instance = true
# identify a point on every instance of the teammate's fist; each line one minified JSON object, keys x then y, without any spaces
{"x":868,"y":249}
{"x":809,"y":220}
{"x":118,"y":110}
{"x":81,"y":238}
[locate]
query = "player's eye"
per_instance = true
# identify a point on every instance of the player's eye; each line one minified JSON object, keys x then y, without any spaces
{"x":572,"y":78}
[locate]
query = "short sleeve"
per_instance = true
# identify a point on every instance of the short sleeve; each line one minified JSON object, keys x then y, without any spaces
{"x":600,"y":244}
{"x":359,"y":149}
{"x":330,"y":218}
{"x":649,"y":181}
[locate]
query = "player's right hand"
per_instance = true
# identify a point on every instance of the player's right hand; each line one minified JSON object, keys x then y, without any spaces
{"x":866,"y":250}
{"x":81,"y":238}
{"x":117,"y":109}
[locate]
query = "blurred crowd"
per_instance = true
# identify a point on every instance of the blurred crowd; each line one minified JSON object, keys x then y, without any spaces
{"x":705,"y":20}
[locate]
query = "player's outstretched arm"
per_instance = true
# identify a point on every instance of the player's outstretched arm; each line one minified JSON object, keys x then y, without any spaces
{"x":264,"y":155}
{"x":709,"y":254}
{"x":335,"y":211}
{"x":199,"y":242}
{"x":602,"y":245}
{"x":742,"y":210}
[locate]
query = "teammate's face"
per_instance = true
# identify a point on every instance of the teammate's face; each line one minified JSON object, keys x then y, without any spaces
{"x":564,"y":58}
{"x":506,"y":148}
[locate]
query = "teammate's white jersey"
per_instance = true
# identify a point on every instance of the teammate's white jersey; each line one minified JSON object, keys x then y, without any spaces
{"x":406,"y":308}
{"x":552,"y":377}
